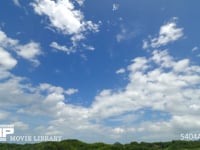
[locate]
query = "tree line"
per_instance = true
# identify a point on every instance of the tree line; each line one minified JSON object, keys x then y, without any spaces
{"x":78,"y":145}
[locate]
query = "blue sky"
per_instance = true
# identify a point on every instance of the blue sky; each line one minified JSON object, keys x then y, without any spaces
{"x":105,"y":70}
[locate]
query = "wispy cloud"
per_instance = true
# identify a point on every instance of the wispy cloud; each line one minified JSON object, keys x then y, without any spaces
{"x":17,"y":3}
{"x":127,"y":33}
{"x":71,"y":91}
{"x":80,"y":2}
{"x":63,"y":48}
{"x":195,"y":48}
{"x":88,"y":47}
{"x":120,"y":71}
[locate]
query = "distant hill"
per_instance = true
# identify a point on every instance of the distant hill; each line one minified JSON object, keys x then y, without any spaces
{"x":78,"y":145}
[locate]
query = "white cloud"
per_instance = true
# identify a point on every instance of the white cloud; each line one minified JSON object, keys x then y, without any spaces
{"x":17,"y":3}
{"x":66,"y":19}
{"x":80,"y":2}
{"x":72,"y":20}
{"x":181,"y":65}
{"x":162,"y":58}
{"x":62,"y":48}
{"x":6,"y":41}
{"x":54,"y":98}
{"x":4,"y":73}
{"x":168,"y":33}
{"x":159,"y":83}
{"x":21,"y":125}
{"x":6,"y":60}
{"x":88,"y":47}
{"x":69,"y":23}
{"x":71,"y":91}
{"x":118,"y":130}
{"x":71,"y":49}
{"x":120,"y":71}
{"x":154,"y":88}
{"x":28,"y":51}
{"x":145,"y":44}
{"x":50,"y":88}
{"x":76,"y":38}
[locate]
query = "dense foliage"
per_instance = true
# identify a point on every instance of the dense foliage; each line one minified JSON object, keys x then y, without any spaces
{"x":78,"y":145}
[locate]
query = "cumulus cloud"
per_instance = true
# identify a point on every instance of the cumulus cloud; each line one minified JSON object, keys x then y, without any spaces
{"x":6,"y":60}
{"x":66,"y":19}
{"x":50,"y":88}
{"x":168,"y":33}
{"x":158,"y":89}
{"x":155,"y":88}
{"x":69,"y":23}
{"x":72,"y":20}
{"x":6,"y":41}
{"x":28,"y":51}
{"x":159,"y":83}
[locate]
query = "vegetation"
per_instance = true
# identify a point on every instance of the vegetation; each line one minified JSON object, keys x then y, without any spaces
{"x":78,"y":145}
